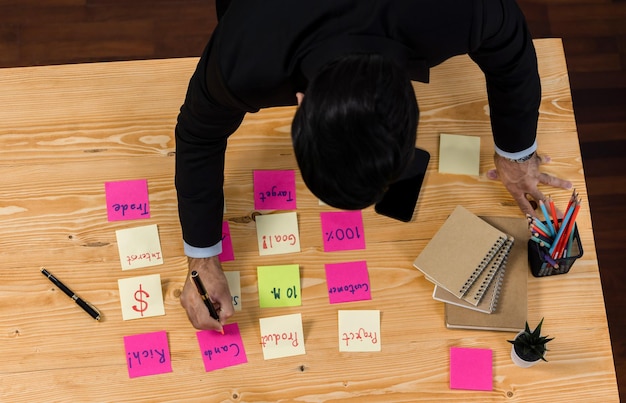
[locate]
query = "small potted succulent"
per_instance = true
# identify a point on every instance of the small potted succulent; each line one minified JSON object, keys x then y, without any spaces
{"x":529,"y":347}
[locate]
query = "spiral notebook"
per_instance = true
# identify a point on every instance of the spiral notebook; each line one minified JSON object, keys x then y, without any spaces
{"x":459,"y":252}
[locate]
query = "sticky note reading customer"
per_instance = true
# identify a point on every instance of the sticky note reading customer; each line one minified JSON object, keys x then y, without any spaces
{"x":277,"y":233}
{"x":471,"y":368}
{"x":221,"y":351}
{"x":342,"y":230}
{"x":275,"y":190}
{"x":347,"y":282}
{"x":359,"y":330}
{"x":279,"y":285}
{"x":147,"y":354}
{"x":127,"y":200}
{"x":459,"y":154}
{"x":282,"y":336}
{"x":139,"y":247}
{"x":234,"y":286}
{"x":228,"y":253}
{"x":141,"y":297}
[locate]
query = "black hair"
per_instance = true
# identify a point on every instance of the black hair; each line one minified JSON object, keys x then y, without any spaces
{"x":354,"y":132}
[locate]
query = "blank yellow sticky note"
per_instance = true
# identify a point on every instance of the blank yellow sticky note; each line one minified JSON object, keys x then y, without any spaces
{"x":459,"y":154}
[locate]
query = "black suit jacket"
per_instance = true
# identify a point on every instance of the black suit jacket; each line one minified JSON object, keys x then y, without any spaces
{"x":264,"y":51}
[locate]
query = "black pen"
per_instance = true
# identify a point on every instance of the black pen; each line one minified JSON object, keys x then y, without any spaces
{"x":92,"y":311}
{"x":205,"y":297}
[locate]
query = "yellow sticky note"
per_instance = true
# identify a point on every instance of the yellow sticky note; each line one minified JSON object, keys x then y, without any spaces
{"x":141,"y":297}
{"x":279,"y":285}
{"x":459,"y":154}
{"x":277,"y":233}
{"x":282,"y":336}
{"x":139,"y":247}
{"x":234,"y":286}
{"x":359,"y":330}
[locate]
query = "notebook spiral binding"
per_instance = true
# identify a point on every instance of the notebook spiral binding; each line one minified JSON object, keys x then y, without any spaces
{"x":485,"y":261}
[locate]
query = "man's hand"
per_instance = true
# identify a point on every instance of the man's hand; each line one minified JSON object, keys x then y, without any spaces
{"x":521,"y":179}
{"x":212,"y":276}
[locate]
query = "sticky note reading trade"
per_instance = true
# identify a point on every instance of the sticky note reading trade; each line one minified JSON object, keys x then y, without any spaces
{"x":282,"y":336}
{"x":347,"y":282}
{"x":459,"y":154}
{"x":275,"y":190}
{"x":279,"y":285}
{"x":147,"y":354}
{"x":359,"y":330}
{"x":227,"y":244}
{"x":127,"y":200}
{"x":342,"y":230}
{"x":277,"y":233}
{"x":139,"y":247}
{"x":141,"y":297}
{"x":234,"y":286}
{"x":221,"y":350}
{"x":471,"y":368}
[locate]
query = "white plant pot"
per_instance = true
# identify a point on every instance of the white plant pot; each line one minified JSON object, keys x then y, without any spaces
{"x":520,"y":362}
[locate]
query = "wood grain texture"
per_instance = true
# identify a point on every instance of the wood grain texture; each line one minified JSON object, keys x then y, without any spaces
{"x":65,"y":130}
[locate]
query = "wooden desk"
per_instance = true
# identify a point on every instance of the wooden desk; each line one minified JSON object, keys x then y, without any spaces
{"x":65,"y":130}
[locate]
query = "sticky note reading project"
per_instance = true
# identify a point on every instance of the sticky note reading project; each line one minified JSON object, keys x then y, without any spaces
{"x":359,"y":330}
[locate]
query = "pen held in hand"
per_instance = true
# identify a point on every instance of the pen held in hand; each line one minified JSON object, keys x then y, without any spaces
{"x":86,"y":306}
{"x":205,"y":297}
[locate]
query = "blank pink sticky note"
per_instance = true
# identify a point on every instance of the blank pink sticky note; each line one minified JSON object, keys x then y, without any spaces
{"x":342,"y":230}
{"x":471,"y":368}
{"x":275,"y":190}
{"x":147,"y":354}
{"x":227,"y":244}
{"x":347,"y":282}
{"x":221,"y":350}
{"x":127,"y":200}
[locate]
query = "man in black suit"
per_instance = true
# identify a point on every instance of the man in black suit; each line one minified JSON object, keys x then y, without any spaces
{"x":354,"y":131}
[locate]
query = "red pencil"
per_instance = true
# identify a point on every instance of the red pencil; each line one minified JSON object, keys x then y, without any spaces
{"x":553,"y":212}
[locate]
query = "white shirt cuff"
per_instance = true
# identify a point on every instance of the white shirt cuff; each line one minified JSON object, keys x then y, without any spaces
{"x":519,"y":154}
{"x":196,"y":252}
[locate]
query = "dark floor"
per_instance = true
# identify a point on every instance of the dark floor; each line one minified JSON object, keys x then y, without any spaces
{"x":38,"y":32}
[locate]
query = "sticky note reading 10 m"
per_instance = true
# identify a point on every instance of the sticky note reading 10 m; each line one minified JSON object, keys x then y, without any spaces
{"x":279,"y":285}
{"x":275,"y":190}
{"x":127,"y":200}
{"x":342,"y":230}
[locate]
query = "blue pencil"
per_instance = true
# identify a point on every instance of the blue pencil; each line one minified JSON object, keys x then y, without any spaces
{"x":547,"y":217}
{"x":562,"y":229}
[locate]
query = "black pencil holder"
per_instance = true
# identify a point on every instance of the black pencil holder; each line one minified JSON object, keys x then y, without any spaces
{"x":539,"y":267}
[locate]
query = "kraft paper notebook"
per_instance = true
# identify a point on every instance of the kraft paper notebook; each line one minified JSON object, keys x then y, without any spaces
{"x":511,"y":311}
{"x":460,"y":250}
{"x":487,"y":304}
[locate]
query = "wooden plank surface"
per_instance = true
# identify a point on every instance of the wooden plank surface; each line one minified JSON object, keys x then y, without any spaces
{"x":65,"y":130}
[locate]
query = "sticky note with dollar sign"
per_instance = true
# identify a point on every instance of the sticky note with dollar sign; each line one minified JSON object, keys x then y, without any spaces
{"x":141,"y":297}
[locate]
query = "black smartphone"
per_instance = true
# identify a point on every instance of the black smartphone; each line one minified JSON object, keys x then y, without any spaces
{"x":400,"y":199}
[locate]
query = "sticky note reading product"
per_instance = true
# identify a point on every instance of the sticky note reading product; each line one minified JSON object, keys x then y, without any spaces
{"x":275,"y":190}
{"x":347,"y":282}
{"x":127,"y":200}
{"x":147,"y":354}
{"x":282,"y":336}
{"x":471,"y":368}
{"x":277,"y":233}
{"x":221,"y":351}
{"x":359,"y":330}
{"x":342,"y":230}
{"x":141,"y":297}
{"x":139,"y":247}
{"x":279,"y":285}
{"x":227,"y":244}
{"x":459,"y":154}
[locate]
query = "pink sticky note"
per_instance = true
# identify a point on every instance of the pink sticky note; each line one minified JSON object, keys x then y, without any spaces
{"x":227,"y":244}
{"x":127,"y":200}
{"x":275,"y":190}
{"x":342,"y":230}
{"x":147,"y":354}
{"x":347,"y":282}
{"x":221,"y":350}
{"x":471,"y":368}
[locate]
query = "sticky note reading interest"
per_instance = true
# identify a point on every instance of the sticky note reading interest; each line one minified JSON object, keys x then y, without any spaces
{"x":282,"y":336}
{"x":279,"y":285}
{"x":359,"y":330}
{"x":141,"y":297}
{"x":275,"y":190}
{"x":459,"y":154}
{"x":147,"y":354}
{"x":277,"y":233}
{"x":471,"y":368}
{"x":139,"y":247}
{"x":127,"y":200}
{"x":221,"y":350}
{"x":342,"y":230}
{"x":347,"y":282}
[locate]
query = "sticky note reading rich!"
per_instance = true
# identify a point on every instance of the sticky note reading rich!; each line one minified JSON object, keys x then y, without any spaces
{"x":471,"y":368}
{"x":139,"y":247}
{"x":147,"y":354}
{"x":127,"y":200}
{"x":277,"y":233}
{"x":221,"y":351}
{"x":141,"y":297}
{"x":227,"y":244}
{"x":279,"y":285}
{"x":275,"y":190}
{"x":359,"y":330}
{"x":282,"y":336}
{"x":347,"y":282}
{"x":342,"y":230}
